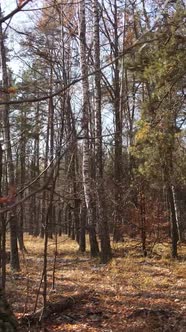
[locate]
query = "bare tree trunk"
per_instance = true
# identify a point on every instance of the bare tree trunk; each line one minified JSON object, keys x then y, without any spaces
{"x":35,"y":172}
{"x":176,"y":211}
{"x":117,"y":236}
{"x":143,"y":221}
{"x":22,"y":179}
{"x":168,"y":172}
{"x":46,"y":230}
{"x":76,"y":210}
{"x":44,"y":196}
{"x":174,"y":228}
{"x":82,"y":237}
{"x":5,"y":82}
{"x":73,"y":167}
{"x":7,"y":319}
{"x":102,"y":215}
{"x":3,"y":252}
{"x":51,"y":149}
{"x":2,"y":232}
{"x":86,"y":169}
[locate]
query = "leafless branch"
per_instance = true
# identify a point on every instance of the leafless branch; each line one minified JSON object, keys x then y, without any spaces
{"x":13,"y":12}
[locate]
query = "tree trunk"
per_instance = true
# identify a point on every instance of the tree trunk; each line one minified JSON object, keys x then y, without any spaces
{"x":174,"y":228}
{"x":44,"y":196}
{"x":2,"y":232}
{"x":117,"y":236}
{"x":8,"y":321}
{"x":102,"y":215}
{"x":22,"y":179}
{"x":143,"y":222}
{"x":14,"y":258}
{"x":86,"y":169}
{"x":51,"y":147}
{"x":5,"y":83}
{"x":82,"y":237}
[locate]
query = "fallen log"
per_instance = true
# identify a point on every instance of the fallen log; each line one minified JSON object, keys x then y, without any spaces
{"x":144,"y":312}
{"x":51,"y":308}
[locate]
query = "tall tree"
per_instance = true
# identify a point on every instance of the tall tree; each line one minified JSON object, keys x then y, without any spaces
{"x":86,"y":166}
{"x":102,"y":215}
{"x":11,"y":176}
{"x":162,"y":73}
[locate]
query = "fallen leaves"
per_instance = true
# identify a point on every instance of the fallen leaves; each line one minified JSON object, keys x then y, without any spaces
{"x":114,"y":292}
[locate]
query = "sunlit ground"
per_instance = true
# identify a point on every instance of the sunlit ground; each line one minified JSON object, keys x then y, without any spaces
{"x":131,"y":293}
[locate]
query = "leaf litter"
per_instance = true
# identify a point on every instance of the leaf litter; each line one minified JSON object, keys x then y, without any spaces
{"x":129,"y":294}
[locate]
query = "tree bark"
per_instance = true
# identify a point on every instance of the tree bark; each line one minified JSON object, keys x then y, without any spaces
{"x":117,"y":236}
{"x":86,"y":169}
{"x":2,"y":231}
{"x":5,"y":83}
{"x":174,"y":229}
{"x":8,"y":321}
{"x":102,"y":215}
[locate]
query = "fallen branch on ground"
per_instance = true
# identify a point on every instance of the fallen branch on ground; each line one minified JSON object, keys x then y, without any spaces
{"x":52,"y":308}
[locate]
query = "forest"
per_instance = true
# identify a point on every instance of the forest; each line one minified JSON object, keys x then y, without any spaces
{"x":92,"y":165}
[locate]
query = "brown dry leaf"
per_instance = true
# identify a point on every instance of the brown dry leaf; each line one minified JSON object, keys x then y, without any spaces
{"x":113,"y":292}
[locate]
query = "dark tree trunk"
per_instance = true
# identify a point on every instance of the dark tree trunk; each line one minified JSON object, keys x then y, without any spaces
{"x":102,"y":212}
{"x":14,"y":257}
{"x":22,"y":179}
{"x":117,"y":236}
{"x":82,"y":233}
{"x":2,"y":232}
{"x":174,"y":228}
{"x":143,"y":223}
{"x":7,"y":137}
{"x":8,"y":321}
{"x":3,"y":252}
{"x":86,"y":163}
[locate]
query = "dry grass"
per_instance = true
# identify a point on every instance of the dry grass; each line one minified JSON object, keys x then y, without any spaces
{"x":131,"y":293}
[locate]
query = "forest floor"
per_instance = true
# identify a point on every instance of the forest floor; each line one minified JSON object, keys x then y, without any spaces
{"x":130,"y":294}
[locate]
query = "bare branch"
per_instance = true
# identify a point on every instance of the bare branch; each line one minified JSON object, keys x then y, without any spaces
{"x":15,"y":11}
{"x":45,"y":185}
{"x":77,"y":80}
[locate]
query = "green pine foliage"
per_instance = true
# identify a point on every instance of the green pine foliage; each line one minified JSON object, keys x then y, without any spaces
{"x":161,"y":67}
